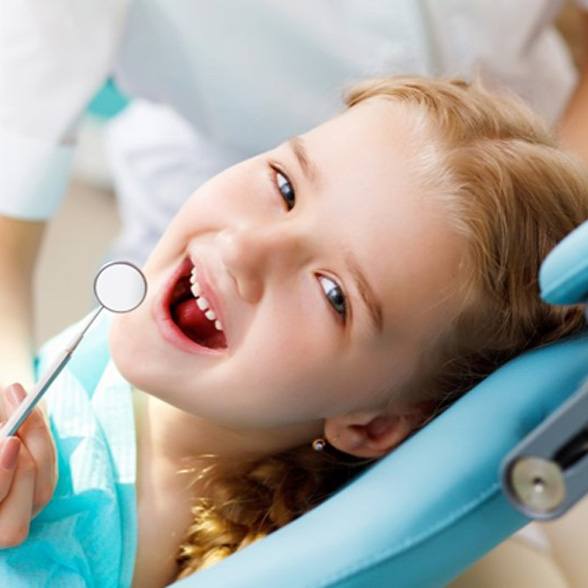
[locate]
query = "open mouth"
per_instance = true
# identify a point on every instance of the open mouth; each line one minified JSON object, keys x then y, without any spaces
{"x":188,"y":316}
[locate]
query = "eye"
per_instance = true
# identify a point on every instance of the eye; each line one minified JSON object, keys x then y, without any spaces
{"x":336,"y":297}
{"x":284,"y":187}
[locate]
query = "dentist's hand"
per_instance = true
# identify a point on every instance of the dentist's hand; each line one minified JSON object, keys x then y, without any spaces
{"x":28,"y":472}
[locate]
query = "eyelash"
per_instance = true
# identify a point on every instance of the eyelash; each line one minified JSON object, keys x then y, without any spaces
{"x":274,"y":171}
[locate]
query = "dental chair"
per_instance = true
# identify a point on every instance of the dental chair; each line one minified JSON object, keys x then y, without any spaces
{"x":427,"y":511}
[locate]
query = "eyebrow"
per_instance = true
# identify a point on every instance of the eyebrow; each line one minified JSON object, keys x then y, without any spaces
{"x":309,"y":169}
{"x":372,"y":304}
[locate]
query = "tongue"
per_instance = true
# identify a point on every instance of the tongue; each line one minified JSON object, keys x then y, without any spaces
{"x":192,"y":321}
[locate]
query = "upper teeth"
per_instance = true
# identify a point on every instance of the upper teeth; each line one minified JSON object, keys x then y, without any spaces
{"x":201,"y":301}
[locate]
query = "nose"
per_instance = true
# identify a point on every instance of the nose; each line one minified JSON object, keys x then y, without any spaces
{"x":257,"y":254}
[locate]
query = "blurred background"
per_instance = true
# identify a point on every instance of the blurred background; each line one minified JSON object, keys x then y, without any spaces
{"x":78,"y":239}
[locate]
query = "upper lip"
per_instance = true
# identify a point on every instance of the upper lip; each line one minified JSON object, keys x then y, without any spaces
{"x":214,"y":301}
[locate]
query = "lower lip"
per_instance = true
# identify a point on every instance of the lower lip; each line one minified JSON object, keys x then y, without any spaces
{"x":167,"y":327}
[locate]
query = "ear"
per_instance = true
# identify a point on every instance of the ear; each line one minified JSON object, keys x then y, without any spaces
{"x":373,"y":433}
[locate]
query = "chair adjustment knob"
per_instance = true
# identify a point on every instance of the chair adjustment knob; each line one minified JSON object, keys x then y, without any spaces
{"x":538,"y":484}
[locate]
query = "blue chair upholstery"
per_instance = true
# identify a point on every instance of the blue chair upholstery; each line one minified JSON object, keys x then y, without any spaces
{"x":432,"y":507}
{"x":563,"y":278}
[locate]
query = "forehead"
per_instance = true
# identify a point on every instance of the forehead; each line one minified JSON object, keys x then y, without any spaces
{"x":369,"y":188}
{"x":370,"y":151}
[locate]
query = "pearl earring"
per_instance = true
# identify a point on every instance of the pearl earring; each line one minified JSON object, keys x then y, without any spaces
{"x":319,"y":444}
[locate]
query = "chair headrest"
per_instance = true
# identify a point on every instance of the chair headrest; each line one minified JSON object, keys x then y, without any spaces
{"x":563,"y":278}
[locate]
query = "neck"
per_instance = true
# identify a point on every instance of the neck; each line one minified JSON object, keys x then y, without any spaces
{"x":164,"y":505}
{"x":176,"y":439}
{"x":171,"y":477}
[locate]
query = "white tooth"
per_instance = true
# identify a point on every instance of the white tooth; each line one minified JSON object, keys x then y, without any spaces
{"x":195,"y":289}
{"x":193,"y":275}
{"x":209,"y":314}
{"x":202,"y":303}
{"x":218,"y":325}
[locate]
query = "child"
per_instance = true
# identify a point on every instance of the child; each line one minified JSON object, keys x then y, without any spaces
{"x":350,"y":284}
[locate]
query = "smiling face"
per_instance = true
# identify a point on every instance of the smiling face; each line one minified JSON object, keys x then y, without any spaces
{"x":287,"y":242}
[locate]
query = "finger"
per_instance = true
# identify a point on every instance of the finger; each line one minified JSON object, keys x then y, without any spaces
{"x":9,"y":450}
{"x":13,"y":397}
{"x":35,"y":434}
{"x":10,"y":397}
{"x":4,"y":412}
{"x":16,"y":508}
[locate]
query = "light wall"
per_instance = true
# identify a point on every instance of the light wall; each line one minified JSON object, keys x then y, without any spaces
{"x":75,"y":243}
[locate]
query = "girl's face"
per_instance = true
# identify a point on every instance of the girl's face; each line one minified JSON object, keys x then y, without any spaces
{"x":329,"y":269}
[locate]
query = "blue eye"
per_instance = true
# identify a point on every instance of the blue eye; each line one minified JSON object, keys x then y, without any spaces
{"x":336,"y":298}
{"x":284,"y":187}
{"x":286,"y":191}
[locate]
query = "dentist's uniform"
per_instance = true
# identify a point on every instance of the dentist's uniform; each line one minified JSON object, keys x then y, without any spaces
{"x":225,"y":80}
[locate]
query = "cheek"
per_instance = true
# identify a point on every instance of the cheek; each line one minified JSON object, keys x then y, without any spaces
{"x":237,"y":193}
{"x":291,"y":371}
{"x":122,"y":347}
{"x":133,"y":348}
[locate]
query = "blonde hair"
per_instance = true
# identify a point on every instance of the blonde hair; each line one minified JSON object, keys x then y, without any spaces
{"x":513,"y":195}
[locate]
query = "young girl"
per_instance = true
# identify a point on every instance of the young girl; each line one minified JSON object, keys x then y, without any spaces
{"x":308,"y":309}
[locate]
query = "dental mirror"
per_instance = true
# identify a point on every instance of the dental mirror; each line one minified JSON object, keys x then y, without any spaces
{"x":119,"y":286}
